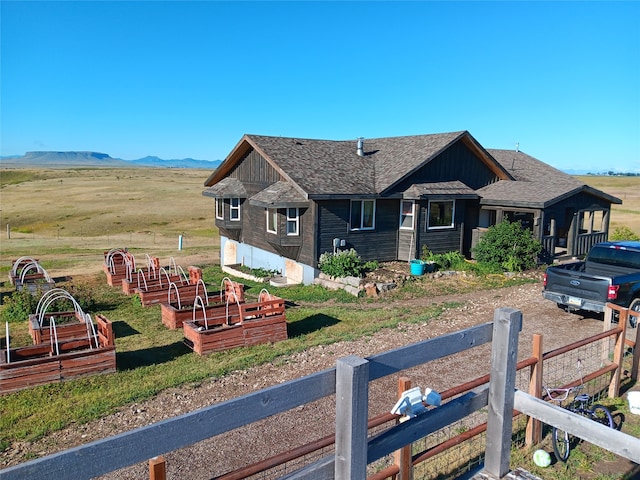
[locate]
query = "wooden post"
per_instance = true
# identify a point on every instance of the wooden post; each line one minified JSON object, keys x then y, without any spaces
{"x":636,"y":351}
{"x":606,"y":326}
{"x":533,"y":433}
{"x":402,"y":457}
{"x":352,"y":409}
{"x":507,"y":323}
{"x":157,"y":468}
{"x":618,"y":353}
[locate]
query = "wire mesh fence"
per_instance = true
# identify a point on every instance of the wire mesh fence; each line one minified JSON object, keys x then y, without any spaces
{"x":459,"y":448}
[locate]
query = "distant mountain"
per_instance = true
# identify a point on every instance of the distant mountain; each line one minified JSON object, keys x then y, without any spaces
{"x":95,"y":159}
{"x":182,"y":163}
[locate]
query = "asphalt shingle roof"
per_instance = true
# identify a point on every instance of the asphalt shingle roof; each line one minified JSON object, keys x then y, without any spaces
{"x":279,"y":195}
{"x":228,"y":187}
{"x":329,"y":167}
{"x":452,"y":189}
{"x":536,"y":183}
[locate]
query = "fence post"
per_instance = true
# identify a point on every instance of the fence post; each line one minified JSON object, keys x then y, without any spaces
{"x":157,"y":468}
{"x":618,"y":353}
{"x":352,"y":409}
{"x":533,"y":433}
{"x":636,"y":351}
{"x":607,"y":321}
{"x":507,"y":323}
{"x":402,"y":457}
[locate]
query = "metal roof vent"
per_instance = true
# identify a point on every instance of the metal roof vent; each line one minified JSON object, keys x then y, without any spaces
{"x":360,"y":150}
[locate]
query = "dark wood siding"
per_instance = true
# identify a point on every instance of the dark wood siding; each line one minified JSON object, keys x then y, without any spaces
{"x":254,"y":169}
{"x":455,"y":163}
{"x":378,"y":244}
{"x":442,"y":240}
{"x":256,"y":174}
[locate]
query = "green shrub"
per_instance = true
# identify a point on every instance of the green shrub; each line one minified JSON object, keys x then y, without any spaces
{"x":623,"y":233}
{"x":509,"y":247}
{"x":17,"y":306}
{"x":344,"y":263}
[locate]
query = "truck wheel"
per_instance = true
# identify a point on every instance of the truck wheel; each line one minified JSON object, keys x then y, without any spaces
{"x":633,"y":317}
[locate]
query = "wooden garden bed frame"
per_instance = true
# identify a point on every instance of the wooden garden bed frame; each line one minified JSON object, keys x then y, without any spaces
{"x":24,"y":367}
{"x":69,"y":325}
{"x":118,"y":265}
{"x":145,"y":280}
{"x":27,"y":274}
{"x":178,"y":306}
{"x":237,"y":325}
{"x":153,"y":291}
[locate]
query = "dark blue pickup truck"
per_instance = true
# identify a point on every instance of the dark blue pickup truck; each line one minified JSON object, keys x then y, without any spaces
{"x":610,"y":273}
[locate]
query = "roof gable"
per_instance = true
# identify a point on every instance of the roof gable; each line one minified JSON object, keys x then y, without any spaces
{"x":333,"y":168}
{"x":537,"y":183}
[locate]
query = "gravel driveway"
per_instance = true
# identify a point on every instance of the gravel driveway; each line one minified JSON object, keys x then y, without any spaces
{"x":309,"y":422}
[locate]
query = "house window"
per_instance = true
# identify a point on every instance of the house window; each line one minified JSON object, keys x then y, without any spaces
{"x":363,"y":213}
{"x":272,"y":220}
{"x":406,"y":214}
{"x":234,"y":213}
{"x":293,"y":221}
{"x":441,"y":214}
{"x":219,"y":209}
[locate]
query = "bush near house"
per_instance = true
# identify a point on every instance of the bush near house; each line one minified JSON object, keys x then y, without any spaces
{"x":344,"y":263}
{"x":623,"y":233}
{"x":508,"y":246}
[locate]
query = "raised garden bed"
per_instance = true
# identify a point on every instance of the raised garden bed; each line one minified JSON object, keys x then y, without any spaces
{"x":151,"y":280}
{"x":238,"y":325}
{"x":179,"y":303}
{"x":118,"y":265}
{"x":68,"y":325}
{"x":152,"y":293}
{"x":27,"y":274}
{"x":50,"y":362}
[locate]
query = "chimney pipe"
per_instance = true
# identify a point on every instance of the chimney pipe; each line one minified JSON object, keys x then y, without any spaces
{"x":360,"y":150}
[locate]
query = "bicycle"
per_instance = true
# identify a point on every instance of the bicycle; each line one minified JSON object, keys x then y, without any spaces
{"x":561,"y":439}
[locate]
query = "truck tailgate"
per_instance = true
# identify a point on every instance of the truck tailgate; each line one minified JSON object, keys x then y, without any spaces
{"x":576,"y":286}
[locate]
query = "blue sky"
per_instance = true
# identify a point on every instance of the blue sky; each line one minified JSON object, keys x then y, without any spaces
{"x":188,"y":79}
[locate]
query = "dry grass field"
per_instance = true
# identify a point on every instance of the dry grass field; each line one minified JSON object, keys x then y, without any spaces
{"x":626,"y":189}
{"x":68,"y":217}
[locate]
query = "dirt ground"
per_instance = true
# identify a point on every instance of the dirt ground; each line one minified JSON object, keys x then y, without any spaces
{"x":283,"y":432}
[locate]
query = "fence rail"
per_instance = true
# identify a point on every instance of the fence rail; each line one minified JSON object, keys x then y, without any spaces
{"x":349,"y":380}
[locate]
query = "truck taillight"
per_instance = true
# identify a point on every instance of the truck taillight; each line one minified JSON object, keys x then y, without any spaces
{"x":612,"y":292}
{"x":544,"y":280}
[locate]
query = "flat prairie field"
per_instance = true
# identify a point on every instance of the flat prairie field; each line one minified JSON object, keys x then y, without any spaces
{"x":626,"y":189}
{"x":67,"y":218}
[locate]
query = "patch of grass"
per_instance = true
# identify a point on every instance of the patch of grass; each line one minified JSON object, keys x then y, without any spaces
{"x":151,"y":358}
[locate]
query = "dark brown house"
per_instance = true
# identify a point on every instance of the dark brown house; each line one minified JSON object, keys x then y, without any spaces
{"x":282,"y":202}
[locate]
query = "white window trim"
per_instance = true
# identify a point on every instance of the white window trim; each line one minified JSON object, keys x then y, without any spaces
{"x":441,"y":227}
{"x":412,"y":214}
{"x":360,"y":227}
{"x":233,"y":208}
{"x":295,"y":220}
{"x":268,"y":211}
{"x":219,"y":208}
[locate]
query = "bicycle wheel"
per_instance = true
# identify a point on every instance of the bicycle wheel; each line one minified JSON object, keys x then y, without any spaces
{"x":601,"y":414}
{"x":561,"y":445}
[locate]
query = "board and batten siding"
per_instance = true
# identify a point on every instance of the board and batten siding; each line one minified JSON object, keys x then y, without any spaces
{"x":253,"y":168}
{"x":378,"y":244}
{"x":455,"y":163}
{"x":442,"y":240}
{"x":256,"y":174}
